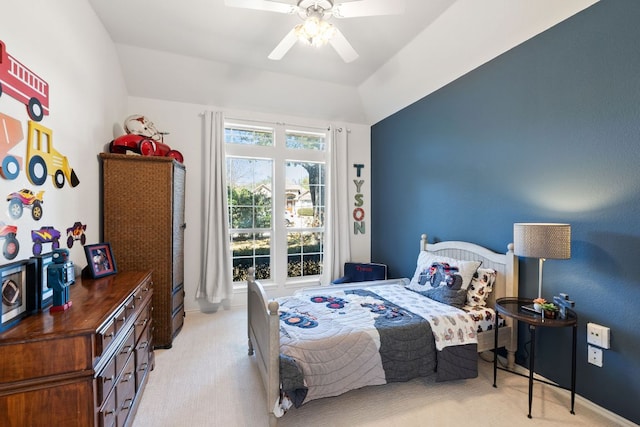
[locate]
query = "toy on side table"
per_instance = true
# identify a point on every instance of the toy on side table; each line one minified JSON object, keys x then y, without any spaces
{"x":563,"y":302}
{"x":60,"y":275}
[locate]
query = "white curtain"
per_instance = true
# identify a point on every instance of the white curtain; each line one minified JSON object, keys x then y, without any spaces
{"x":216,"y":281}
{"x":338,"y":249}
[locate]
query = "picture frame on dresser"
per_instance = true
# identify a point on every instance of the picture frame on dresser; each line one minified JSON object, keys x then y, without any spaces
{"x":100,"y":260}
{"x":19,"y":292}
{"x":44,"y":295}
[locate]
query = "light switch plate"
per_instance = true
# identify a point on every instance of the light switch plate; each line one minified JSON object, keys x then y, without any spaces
{"x":598,"y":335}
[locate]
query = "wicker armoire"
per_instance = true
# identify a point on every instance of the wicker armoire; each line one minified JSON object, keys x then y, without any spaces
{"x":143,"y":202}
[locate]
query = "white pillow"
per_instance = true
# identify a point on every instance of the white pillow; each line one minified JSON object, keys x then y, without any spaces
{"x":480,"y":288}
{"x":466,"y":269}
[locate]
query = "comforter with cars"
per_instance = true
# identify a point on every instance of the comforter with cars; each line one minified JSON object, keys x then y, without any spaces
{"x":339,"y":340}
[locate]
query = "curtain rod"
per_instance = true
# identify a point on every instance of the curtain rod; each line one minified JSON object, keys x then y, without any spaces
{"x":277,"y":123}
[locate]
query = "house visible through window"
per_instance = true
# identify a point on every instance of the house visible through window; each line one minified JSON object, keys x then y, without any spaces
{"x":276,"y":189}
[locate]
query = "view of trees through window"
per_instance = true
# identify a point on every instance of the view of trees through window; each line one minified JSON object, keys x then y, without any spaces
{"x":276,"y":197}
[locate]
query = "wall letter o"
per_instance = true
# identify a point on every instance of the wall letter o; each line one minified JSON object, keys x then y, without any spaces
{"x":358,"y":214}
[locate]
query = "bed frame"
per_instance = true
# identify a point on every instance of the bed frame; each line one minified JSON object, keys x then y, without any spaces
{"x":264,"y":321}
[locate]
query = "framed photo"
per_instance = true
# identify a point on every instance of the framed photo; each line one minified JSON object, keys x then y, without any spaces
{"x":19,"y":291}
{"x":100,"y":260}
{"x":45,"y":294}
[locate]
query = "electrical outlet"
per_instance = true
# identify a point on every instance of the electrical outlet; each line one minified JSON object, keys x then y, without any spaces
{"x":598,"y":335}
{"x":595,"y":356}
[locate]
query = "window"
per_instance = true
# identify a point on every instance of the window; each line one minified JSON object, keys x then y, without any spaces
{"x":276,"y":192}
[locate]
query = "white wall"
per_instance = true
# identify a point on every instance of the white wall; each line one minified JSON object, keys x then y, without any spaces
{"x":184,"y":124}
{"x":162,"y":75}
{"x":65,"y":44}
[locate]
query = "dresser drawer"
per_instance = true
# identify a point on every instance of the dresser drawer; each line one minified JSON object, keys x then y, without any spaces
{"x":107,"y":414}
{"x":120,"y":318}
{"x":143,"y":291}
{"x":130,"y":308}
{"x":126,"y":390}
{"x":143,"y":348}
{"x":106,"y":335}
{"x":125,"y":350}
{"x":106,"y":380}
{"x":142,"y":321}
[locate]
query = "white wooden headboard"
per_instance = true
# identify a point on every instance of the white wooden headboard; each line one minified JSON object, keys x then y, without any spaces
{"x":505,"y":264}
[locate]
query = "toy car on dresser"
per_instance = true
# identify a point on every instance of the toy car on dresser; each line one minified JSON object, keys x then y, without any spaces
{"x":142,"y":138}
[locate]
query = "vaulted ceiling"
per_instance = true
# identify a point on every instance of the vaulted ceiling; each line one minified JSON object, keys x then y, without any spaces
{"x":214,"y":41}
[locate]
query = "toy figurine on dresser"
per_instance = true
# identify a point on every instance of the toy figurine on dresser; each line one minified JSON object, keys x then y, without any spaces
{"x":60,"y":275}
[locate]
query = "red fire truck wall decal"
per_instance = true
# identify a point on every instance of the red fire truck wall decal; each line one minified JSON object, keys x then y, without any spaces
{"x":21,"y":83}
{"x":43,"y":159}
{"x":10,"y":135}
{"x":10,"y":246}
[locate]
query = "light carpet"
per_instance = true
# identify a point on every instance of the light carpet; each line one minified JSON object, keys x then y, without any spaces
{"x":208,"y":379}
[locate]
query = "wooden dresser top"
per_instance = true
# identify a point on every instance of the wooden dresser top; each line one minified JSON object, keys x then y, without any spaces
{"x":89,"y":310}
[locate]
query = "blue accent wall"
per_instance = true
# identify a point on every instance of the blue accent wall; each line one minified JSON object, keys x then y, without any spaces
{"x":547,"y":132}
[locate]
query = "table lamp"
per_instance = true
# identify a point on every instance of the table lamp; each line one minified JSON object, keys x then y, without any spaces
{"x":542,"y":241}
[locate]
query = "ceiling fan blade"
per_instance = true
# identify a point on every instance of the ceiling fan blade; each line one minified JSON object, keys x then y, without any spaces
{"x":270,"y":6}
{"x":368,"y":8}
{"x":285,"y":44}
{"x":343,"y":47}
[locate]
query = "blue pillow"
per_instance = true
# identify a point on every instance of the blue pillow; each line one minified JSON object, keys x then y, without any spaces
{"x":362,"y":272}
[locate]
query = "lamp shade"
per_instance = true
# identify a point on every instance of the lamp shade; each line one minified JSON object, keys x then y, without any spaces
{"x":542,"y":240}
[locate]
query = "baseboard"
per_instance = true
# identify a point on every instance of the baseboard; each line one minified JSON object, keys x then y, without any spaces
{"x":617,"y":419}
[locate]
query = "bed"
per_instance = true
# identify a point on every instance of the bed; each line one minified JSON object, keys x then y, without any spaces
{"x":265,"y":317}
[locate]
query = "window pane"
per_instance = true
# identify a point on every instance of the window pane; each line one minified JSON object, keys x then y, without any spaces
{"x":305,"y":253}
{"x":248,"y":135}
{"x":241,"y":217}
{"x":263,"y":217}
{"x":299,"y":140}
{"x":249,"y":184}
{"x":294,"y":266}
{"x":251,"y":250}
{"x":294,"y":243}
{"x":305,"y":194}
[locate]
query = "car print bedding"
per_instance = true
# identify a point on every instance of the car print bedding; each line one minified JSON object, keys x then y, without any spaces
{"x":270,"y":326}
{"x":344,"y":339}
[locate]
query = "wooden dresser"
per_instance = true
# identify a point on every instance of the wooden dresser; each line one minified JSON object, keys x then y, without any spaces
{"x":143,"y":201}
{"x":86,"y":366}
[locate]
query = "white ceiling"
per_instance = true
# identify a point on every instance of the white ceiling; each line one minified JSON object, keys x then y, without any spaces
{"x":203,"y":52}
{"x":207,"y":29}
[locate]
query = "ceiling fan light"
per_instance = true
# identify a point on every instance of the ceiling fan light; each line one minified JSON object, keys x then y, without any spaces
{"x":312,"y":26}
{"x":315,"y":32}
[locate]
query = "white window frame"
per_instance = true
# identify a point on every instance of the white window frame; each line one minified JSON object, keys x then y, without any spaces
{"x":280,"y":155}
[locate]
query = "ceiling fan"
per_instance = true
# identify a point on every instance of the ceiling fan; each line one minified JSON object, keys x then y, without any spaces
{"x":315,"y":30}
